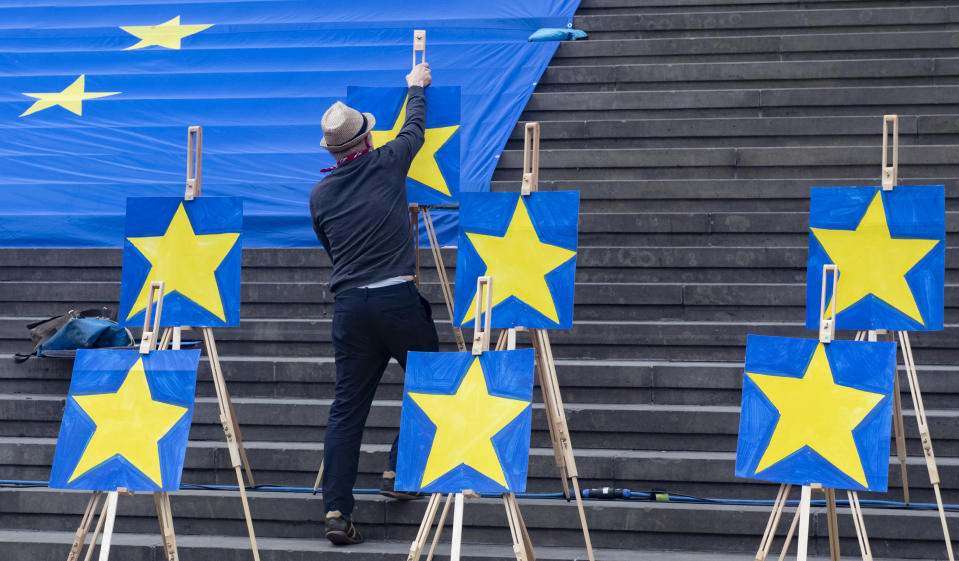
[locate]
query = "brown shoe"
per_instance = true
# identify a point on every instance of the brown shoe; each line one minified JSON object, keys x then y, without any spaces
{"x":340,"y":529}
{"x":387,"y":489}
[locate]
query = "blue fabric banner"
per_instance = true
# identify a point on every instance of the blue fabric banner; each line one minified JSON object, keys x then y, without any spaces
{"x":96,"y":96}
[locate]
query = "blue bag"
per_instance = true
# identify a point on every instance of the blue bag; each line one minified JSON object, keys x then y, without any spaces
{"x":81,"y":333}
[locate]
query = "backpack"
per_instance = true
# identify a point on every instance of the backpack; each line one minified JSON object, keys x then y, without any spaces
{"x":61,"y":336}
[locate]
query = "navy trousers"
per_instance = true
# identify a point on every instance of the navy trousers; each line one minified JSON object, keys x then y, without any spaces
{"x":370,"y":325}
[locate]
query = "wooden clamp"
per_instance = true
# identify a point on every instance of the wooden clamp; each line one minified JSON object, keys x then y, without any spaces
{"x":149,"y":339}
{"x":194,"y":136}
{"x":419,"y":44}
{"x":481,"y":335}
{"x":530,"y":159}
{"x":827,"y":326}
{"x":890,"y":174}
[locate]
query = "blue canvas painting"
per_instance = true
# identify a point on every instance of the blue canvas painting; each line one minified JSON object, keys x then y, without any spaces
{"x":890,"y":249}
{"x":126,"y":421}
{"x":434,"y":176}
{"x":528,"y":246}
{"x":192,"y":246}
{"x":817,"y":413}
{"x":466,"y":422}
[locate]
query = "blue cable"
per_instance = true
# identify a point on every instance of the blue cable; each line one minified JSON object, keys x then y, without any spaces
{"x":661,"y":496}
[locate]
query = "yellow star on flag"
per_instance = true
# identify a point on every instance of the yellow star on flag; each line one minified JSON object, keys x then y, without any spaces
{"x":71,"y":98}
{"x":168,"y":34}
{"x":814,"y":411}
{"x":424,"y":167}
{"x":465,"y":424}
{"x":871,"y":261}
{"x":519,"y":262}
{"x":129,"y":424}
{"x":186,"y":262}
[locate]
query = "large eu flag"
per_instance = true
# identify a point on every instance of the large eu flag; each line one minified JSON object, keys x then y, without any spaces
{"x":97,"y":95}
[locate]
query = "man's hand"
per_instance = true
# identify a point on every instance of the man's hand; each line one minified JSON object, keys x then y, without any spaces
{"x":419,"y":76}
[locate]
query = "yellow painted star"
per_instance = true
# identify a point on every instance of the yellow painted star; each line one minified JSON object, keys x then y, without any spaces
{"x":129,"y":424}
{"x":186,"y":262}
{"x":70,"y":98}
{"x":814,"y":411}
{"x":519,"y":262}
{"x":871,"y":261}
{"x":465,"y":424}
{"x":168,"y":34}
{"x":424,"y":168}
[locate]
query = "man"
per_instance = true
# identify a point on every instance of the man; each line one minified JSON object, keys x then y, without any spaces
{"x":361,"y":217}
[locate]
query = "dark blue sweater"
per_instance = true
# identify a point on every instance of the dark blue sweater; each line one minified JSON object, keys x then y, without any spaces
{"x":360,"y":213}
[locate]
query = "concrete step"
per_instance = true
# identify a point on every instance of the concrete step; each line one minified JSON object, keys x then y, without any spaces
{"x":693,"y":301}
{"x":772,"y":22}
{"x":735,"y":132}
{"x":809,"y":46}
{"x":742,"y":74}
{"x":582,"y":381}
{"x":597,"y":426}
{"x":691,"y":473}
{"x":624,"y":163}
{"x":551,"y":523}
{"x":746,"y":102}
{"x":26,"y":544}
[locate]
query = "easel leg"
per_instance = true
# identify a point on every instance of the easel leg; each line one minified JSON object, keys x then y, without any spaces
{"x":457,"y":527}
{"x":227,"y":415}
{"x":522,"y":545}
{"x":559,"y":429}
{"x":803,"y":544}
{"x":900,"y":437}
{"x":832,"y":524}
{"x":773,"y":522}
{"x":319,"y":477}
{"x":165,"y":516}
{"x":416,"y":548}
{"x":913,"y":378}
{"x":542,"y":371}
{"x":228,"y":419}
{"x":111,"y":512}
{"x":246,"y":513}
{"x":439,"y":526}
{"x":81,"y":535}
{"x":860,"y":525}
{"x":789,"y":535}
{"x":96,"y":532}
{"x":897,"y":421}
{"x":443,"y":278}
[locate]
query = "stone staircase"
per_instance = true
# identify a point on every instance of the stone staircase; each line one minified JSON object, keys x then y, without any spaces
{"x":693,"y":129}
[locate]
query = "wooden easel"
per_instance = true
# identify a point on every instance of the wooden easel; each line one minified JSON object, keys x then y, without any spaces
{"x":546,"y":366}
{"x":419,"y":46}
{"x":231,"y":427}
{"x":890,"y":178}
{"x":827,"y":332}
{"x":160,"y":498}
{"x":522,"y":545}
{"x":546,"y":371}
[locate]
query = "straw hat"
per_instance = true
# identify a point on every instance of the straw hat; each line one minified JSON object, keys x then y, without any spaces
{"x":344,"y":127}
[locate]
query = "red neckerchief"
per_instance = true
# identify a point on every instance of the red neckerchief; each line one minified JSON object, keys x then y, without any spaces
{"x":352,"y":156}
